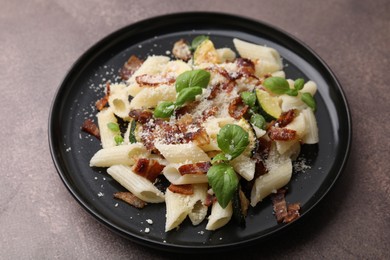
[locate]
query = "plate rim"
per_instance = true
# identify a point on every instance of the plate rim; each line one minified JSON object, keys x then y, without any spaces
{"x":174,"y":247}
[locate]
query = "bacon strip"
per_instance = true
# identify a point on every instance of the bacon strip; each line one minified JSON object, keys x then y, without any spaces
{"x":246,"y":67}
{"x":292,"y":212}
{"x":91,"y":128}
{"x":279,"y":205}
{"x":130,"y":198}
{"x":101,"y":103}
{"x":286,"y":118}
{"x":153,"y":80}
{"x":185,"y":189}
{"x":148,"y":168}
{"x":237,"y":108}
{"x":281,"y":134}
{"x":283,"y":212}
{"x":195,"y":168}
{"x":142,"y":116}
{"x":128,"y":69}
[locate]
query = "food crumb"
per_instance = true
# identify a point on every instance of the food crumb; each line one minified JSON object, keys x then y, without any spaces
{"x":116,"y":205}
{"x":100,"y":194}
{"x":149,"y":221}
{"x":147,"y":230}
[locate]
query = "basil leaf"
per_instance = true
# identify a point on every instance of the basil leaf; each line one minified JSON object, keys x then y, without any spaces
{"x":219,"y":158}
{"x":292,"y":92}
{"x":164,"y":109}
{"x":113,"y":127}
{"x":187,"y":94}
{"x":197,"y":41}
{"x":299,"y":83}
{"x":258,"y":121}
{"x":132,"y":138}
{"x":223,"y":179}
{"x":232,"y":140}
{"x":118,"y":139}
{"x":276,"y":85}
{"x":309,"y":100}
{"x":249,"y":98}
{"x":192,"y":78}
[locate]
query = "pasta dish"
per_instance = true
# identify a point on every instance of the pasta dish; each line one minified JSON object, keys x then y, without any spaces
{"x":208,"y":131}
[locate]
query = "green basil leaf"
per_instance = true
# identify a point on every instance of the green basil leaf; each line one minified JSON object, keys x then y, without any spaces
{"x":299,"y":83}
{"x":164,"y":109}
{"x":187,"y":94}
{"x":192,"y":78}
{"x":197,"y":41}
{"x":132,"y":138}
{"x":309,"y":100}
{"x":258,"y":121}
{"x":219,"y":158}
{"x":292,"y":92}
{"x":118,"y":139}
{"x":113,"y":127}
{"x":232,"y":140}
{"x":249,"y":98}
{"x":276,"y":85}
{"x":223,"y":179}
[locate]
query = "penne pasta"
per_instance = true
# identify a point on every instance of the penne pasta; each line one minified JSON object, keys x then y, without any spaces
{"x":107,"y":136}
{"x":173,"y":175}
{"x":182,"y":153}
{"x":278,"y":176}
{"x":149,"y":97}
{"x":179,"y":206}
{"x":121,"y":154}
{"x":267,"y":60}
{"x":219,"y":216}
{"x":153,"y":65}
{"x":119,"y":100}
{"x":136,"y":184}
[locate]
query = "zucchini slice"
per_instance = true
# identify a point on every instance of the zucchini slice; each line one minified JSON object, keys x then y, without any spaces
{"x":269,"y":105}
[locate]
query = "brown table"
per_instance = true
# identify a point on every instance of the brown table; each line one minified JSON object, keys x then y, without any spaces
{"x":39,"y":41}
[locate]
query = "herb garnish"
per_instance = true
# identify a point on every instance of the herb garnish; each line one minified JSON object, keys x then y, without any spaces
{"x":232,"y":140}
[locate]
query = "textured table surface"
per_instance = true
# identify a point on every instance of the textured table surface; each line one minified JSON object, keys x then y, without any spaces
{"x":40,"y":40}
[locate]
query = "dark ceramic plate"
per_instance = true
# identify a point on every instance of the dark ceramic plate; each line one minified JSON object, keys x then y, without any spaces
{"x":74,"y":102}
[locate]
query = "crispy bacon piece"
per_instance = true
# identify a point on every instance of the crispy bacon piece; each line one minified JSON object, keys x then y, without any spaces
{"x":185,"y":189}
{"x":131,"y":65}
{"x":142,"y":116}
{"x":181,"y":50}
{"x":279,"y":205}
{"x":286,"y":118}
{"x":220,"y":71}
{"x":173,"y":133}
{"x":246,"y":67}
{"x":101,"y":103}
{"x":199,"y":137}
{"x":281,"y":134}
{"x":283,"y":212}
{"x":153,"y":80}
{"x":195,"y":168}
{"x":214,"y":91}
{"x":209,"y":112}
{"x":237,"y":108}
{"x":148,"y":168}
{"x":229,"y":86}
{"x":130,"y":198}
{"x":91,"y":128}
{"x":292,"y":212}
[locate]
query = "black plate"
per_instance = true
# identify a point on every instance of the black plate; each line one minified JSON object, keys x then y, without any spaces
{"x":74,"y":102}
